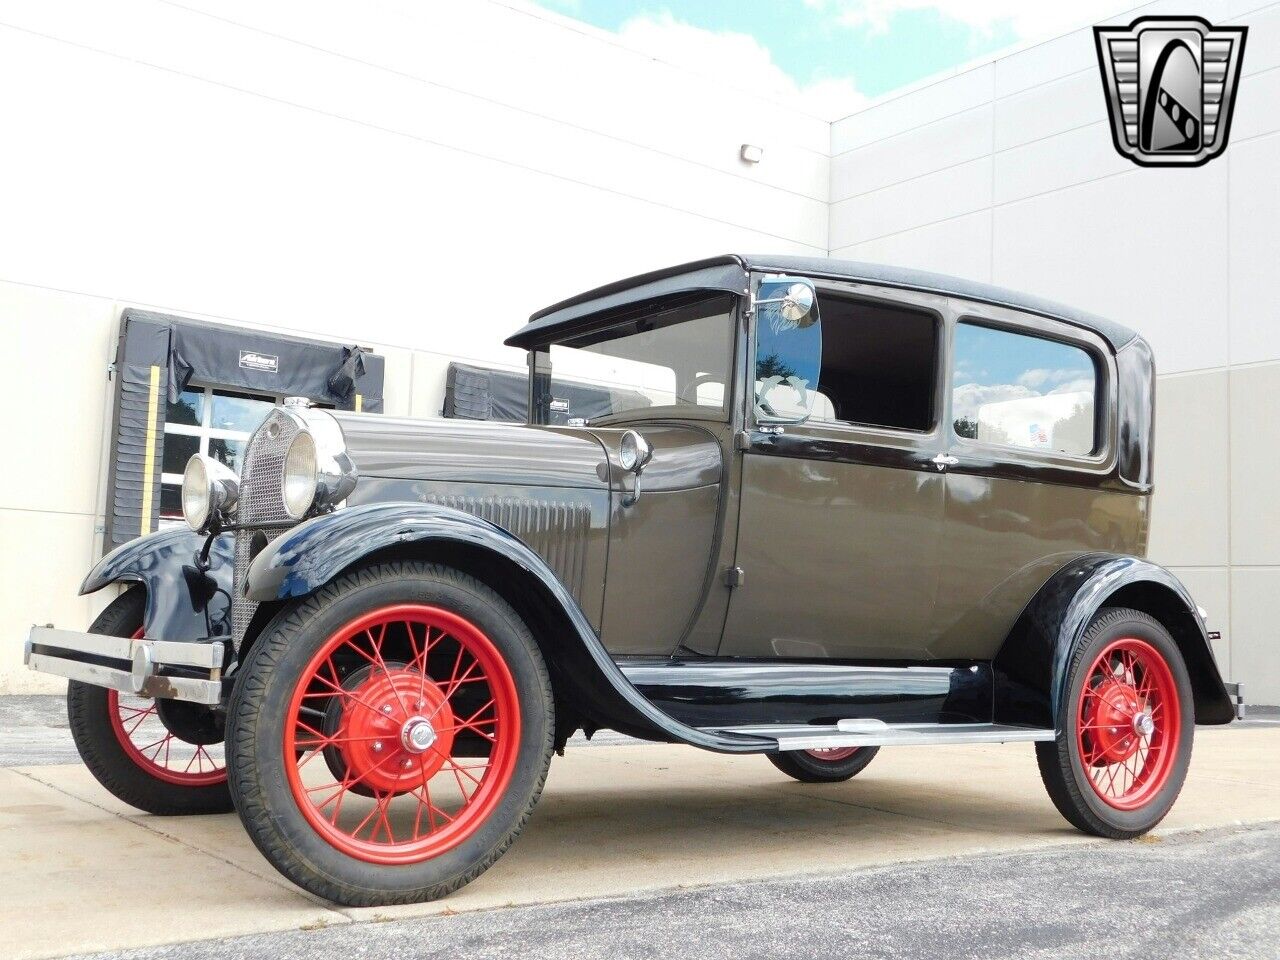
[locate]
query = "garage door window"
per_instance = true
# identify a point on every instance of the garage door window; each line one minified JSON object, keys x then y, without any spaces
{"x":1019,"y":390}
{"x":209,"y":421}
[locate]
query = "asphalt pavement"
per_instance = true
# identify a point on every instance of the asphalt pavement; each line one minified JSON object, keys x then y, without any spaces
{"x":1212,"y":895}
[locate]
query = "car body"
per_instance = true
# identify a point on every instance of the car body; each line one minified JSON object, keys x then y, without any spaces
{"x":799,"y":507}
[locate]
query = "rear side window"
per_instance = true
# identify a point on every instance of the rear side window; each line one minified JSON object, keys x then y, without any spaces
{"x":879,"y":365}
{"x":1024,"y":391}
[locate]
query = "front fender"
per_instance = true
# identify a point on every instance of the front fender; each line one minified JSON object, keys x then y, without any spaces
{"x":311,"y":554}
{"x":183,"y":602}
{"x":1030,"y":668}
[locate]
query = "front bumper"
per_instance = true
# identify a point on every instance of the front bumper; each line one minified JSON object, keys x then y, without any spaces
{"x":1236,"y":692}
{"x":168,"y":670}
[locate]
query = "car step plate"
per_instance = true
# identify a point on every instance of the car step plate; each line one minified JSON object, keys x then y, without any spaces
{"x":877,"y":733}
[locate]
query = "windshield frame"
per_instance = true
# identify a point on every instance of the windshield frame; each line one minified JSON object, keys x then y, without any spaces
{"x":541,"y":365}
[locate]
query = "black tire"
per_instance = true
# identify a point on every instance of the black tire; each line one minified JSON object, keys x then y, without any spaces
{"x":804,"y":766}
{"x":89,"y":712}
{"x":1061,"y":765}
{"x":260,"y":704}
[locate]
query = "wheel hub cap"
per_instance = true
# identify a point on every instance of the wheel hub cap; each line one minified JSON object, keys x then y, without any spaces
{"x":1118,"y":722}
{"x":417,"y":734}
{"x":398,"y":731}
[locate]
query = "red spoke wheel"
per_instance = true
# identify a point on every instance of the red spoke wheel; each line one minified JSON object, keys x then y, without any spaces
{"x":823,"y":765}
{"x":1125,"y":728}
{"x":390,"y":734}
{"x":1128,"y":724}
{"x":162,"y":756}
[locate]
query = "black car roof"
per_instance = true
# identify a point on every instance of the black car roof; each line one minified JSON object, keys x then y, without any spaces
{"x":730,"y":273}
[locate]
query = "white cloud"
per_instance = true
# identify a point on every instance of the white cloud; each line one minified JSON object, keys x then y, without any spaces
{"x":738,"y":56}
{"x":1039,"y":376}
{"x":968,"y":397}
{"x":1083,"y":385}
{"x":1029,"y":19}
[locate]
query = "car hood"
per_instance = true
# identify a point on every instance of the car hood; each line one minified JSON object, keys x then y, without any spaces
{"x":473,"y":451}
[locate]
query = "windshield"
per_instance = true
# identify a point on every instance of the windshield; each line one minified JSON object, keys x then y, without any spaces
{"x":676,"y":357}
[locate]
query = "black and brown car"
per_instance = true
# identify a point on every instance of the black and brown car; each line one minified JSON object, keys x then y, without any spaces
{"x":801,"y":508}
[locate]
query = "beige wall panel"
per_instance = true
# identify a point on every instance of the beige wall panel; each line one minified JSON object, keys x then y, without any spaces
{"x":43,"y":558}
{"x":1191,"y":514}
{"x":1210,"y":588}
{"x":1255,"y":637}
{"x":1255,"y":465}
{"x":55,"y":394}
{"x":398,"y":380}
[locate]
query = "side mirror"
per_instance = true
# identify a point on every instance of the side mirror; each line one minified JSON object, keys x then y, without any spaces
{"x":795,"y":308}
{"x":788,"y":349}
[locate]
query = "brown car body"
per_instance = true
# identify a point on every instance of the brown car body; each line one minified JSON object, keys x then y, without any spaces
{"x":763,"y":574}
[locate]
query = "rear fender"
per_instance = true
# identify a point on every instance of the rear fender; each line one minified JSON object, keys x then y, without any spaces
{"x":1031,"y":667}
{"x":308,"y":556}
{"x":184,"y":602}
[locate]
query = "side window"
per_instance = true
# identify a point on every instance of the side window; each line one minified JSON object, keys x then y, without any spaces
{"x":1024,"y":391}
{"x":879,"y":365}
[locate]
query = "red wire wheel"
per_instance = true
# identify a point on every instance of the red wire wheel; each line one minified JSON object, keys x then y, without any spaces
{"x":1128,"y":723}
{"x":833,"y":754}
{"x":147,"y":741}
{"x":417,"y":718}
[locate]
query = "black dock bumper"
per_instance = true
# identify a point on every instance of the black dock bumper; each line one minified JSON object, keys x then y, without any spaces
{"x":167,"y":670}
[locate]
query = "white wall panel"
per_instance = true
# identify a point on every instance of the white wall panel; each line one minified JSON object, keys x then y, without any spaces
{"x":1051,"y":163}
{"x":927,"y":104}
{"x":1147,"y":248}
{"x":926,"y":149}
{"x":960,"y":246}
{"x":1255,"y":249}
{"x":1045,"y":62}
{"x":1049,"y":108}
{"x":956,"y":190}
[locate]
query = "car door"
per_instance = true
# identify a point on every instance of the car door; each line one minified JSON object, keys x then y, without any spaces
{"x":839,"y":516}
{"x":1031,"y":431}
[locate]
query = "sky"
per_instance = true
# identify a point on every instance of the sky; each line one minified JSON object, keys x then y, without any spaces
{"x":831,"y":55}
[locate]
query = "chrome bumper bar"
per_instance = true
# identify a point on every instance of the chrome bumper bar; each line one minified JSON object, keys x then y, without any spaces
{"x":146,"y":668}
{"x":1236,"y":692}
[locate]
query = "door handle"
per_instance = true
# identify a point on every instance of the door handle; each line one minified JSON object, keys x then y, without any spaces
{"x":942,"y":461}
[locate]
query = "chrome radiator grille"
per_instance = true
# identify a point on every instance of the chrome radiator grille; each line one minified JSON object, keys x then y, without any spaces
{"x":261,"y":503}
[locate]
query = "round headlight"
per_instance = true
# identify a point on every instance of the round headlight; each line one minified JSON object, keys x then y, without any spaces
{"x":634,"y":451}
{"x":197,"y":493}
{"x":301,"y":475}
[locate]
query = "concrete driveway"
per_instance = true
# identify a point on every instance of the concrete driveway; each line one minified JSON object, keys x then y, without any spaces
{"x":81,"y":872}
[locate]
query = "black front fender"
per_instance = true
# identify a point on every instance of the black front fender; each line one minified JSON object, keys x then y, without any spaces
{"x":183,"y":601}
{"x":1031,"y":667}
{"x":308,"y":556}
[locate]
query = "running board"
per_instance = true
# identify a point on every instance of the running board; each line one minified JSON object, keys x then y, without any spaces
{"x":877,"y":733}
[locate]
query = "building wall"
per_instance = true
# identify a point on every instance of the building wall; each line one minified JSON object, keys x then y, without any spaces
{"x":342,"y":170}
{"x":354,"y":171}
{"x":1006,"y":172}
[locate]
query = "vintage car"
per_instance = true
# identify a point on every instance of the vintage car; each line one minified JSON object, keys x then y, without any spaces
{"x":801,"y":508}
